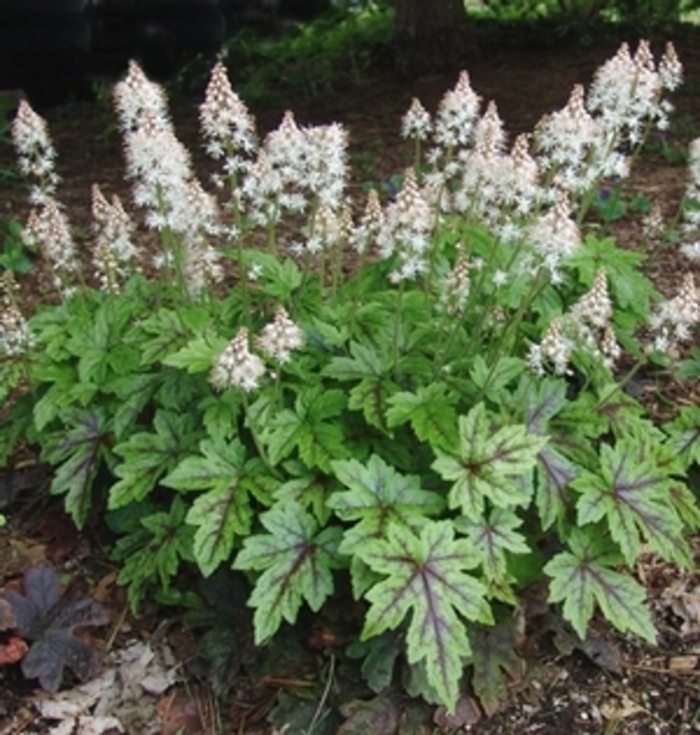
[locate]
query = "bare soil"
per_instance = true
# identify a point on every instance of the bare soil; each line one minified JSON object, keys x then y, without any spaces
{"x":612,"y":685}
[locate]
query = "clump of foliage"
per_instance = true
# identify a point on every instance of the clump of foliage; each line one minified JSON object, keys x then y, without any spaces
{"x":427,"y":396}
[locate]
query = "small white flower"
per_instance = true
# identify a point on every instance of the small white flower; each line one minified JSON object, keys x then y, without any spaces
{"x":280,"y":337}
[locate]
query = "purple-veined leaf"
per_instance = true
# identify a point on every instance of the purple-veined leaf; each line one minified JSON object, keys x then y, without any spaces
{"x":544,"y":399}
{"x":376,"y":496}
{"x":633,"y":495}
{"x":224,"y":511}
{"x":78,"y":455}
{"x":296,"y":559}
{"x":492,"y":539}
{"x":426,"y":577}
{"x":148,"y":455}
{"x":491,"y":464}
{"x":684,"y":435}
{"x":554,"y":475}
{"x":584,"y":576}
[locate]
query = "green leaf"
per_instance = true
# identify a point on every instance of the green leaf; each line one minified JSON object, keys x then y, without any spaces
{"x":306,"y":429}
{"x":198,"y":355}
{"x":224,"y":511}
{"x":296,"y":558}
{"x":493,"y":538}
{"x":583,"y":577}
{"x":78,"y":455}
{"x":492,"y":464}
{"x":552,"y":495}
{"x":431,"y":412}
{"x":684,"y":435}
{"x":166,"y":332}
{"x":629,"y":286}
{"x":378,"y":496}
{"x":632,"y":494}
{"x":425,"y":575}
{"x":100,"y":345}
{"x":494,"y":378}
{"x":134,"y":393}
{"x":154,"y":552}
{"x":220,"y":414}
{"x":147,"y":456}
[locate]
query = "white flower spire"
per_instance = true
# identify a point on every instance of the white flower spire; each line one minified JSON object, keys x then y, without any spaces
{"x":280,"y":337}
{"x":35,"y":152}
{"x":227,"y":125}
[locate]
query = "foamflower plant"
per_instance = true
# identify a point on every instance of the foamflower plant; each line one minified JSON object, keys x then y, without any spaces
{"x":427,"y":393}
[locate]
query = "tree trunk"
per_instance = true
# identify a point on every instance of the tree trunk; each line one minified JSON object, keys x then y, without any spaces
{"x":432,"y":35}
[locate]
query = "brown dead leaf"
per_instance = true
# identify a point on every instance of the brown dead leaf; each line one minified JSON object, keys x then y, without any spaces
{"x":466,"y":715}
{"x":615,"y":710}
{"x":681,"y":664}
{"x":179,"y":714}
{"x":13,"y":651}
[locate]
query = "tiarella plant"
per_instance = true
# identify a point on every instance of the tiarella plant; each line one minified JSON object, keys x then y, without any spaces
{"x":429,"y":394}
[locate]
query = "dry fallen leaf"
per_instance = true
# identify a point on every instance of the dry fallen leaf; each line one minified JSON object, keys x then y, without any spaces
{"x":12,"y":651}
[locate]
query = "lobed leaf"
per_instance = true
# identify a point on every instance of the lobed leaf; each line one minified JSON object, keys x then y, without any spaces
{"x":425,"y":575}
{"x":632,"y":494}
{"x":296,"y":559}
{"x":430,"y":411}
{"x":490,"y":464}
{"x":583,"y":577}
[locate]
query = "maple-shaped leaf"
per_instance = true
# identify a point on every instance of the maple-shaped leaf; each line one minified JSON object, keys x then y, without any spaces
{"x":684,"y":435}
{"x":377,"y":496}
{"x":585,"y":575}
{"x":491,"y":463}
{"x":154,"y":549}
{"x":494,"y":657}
{"x":296,"y":559}
{"x":198,"y":355}
{"x":78,"y":454}
{"x":148,"y":455}
{"x":224,"y":511}
{"x":426,"y":576}
{"x":308,"y":430}
{"x":494,"y":537}
{"x":169,"y":330}
{"x":632,"y":493}
{"x":369,"y":367}
{"x":48,"y":620}
{"x":431,"y":412}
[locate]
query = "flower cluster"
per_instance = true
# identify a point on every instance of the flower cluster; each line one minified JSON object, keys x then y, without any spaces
{"x":238,"y":367}
{"x":35,"y":152}
{"x":164,"y":183}
{"x":114,"y":252}
{"x":586,"y":329}
{"x":15,"y":335}
{"x":673,"y":321}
